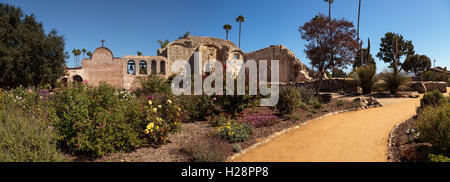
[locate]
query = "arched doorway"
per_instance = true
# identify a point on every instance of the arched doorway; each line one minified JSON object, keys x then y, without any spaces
{"x":77,"y":78}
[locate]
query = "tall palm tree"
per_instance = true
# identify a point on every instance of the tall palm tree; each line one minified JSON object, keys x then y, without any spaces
{"x":331,"y":35}
{"x":227,"y":28}
{"x":329,"y":8}
{"x":84,"y":52}
{"x":74,"y":52}
{"x":240,"y":19}
{"x":357,"y":34}
{"x":163,"y":44}
{"x":139,"y":53}
{"x":78,"y":56}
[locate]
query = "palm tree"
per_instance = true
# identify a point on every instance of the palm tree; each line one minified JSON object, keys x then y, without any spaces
{"x":329,"y":8}
{"x":163,"y":44}
{"x":227,"y":27}
{"x":357,"y":34}
{"x":329,"y":20}
{"x":78,"y":56}
{"x":84,"y":52}
{"x":74,"y":52}
{"x":185,"y":35}
{"x":139,"y":53}
{"x":89,"y":54}
{"x":240,"y":19}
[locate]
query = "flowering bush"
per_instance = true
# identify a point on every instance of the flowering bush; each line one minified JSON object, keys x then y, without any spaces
{"x":161,"y":118}
{"x":258,"y":121}
{"x":234,"y":131}
{"x":94,"y":121}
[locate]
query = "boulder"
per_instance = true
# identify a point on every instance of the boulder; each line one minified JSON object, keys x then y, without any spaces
{"x":414,"y":95}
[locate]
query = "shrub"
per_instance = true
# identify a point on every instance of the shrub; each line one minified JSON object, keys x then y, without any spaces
{"x":340,"y":103}
{"x":153,"y":84}
{"x":289,"y":100}
{"x":26,"y":138}
{"x":198,"y":107}
{"x":393,"y":81}
{"x":366,"y":78}
{"x":219,"y":120}
{"x":432,"y":76}
{"x":433,"y":98}
{"x":434,"y":127}
{"x":234,"y":104}
{"x":205,"y":151}
{"x":258,"y":121}
{"x":438,"y":158}
{"x":235,"y":132}
{"x":316,"y":104}
{"x":95,"y":121}
{"x":306,"y":95}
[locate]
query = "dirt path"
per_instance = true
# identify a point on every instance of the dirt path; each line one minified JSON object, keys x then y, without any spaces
{"x":360,"y":136}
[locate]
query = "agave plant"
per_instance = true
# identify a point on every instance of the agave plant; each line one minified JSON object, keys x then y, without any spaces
{"x":366,"y":78}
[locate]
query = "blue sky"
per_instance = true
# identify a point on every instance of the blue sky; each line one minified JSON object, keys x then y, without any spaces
{"x":132,"y":25}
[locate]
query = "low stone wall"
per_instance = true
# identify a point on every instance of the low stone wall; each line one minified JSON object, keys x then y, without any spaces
{"x":329,"y":85}
{"x":423,"y":87}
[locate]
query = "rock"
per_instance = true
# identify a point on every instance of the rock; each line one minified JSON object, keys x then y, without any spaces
{"x":414,"y":95}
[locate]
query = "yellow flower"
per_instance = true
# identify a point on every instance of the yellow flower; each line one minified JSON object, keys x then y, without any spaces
{"x":159,"y":119}
{"x":228,"y":127}
{"x":146,"y":131}
{"x":150,"y":125}
{"x":149,"y":102}
{"x":179,"y":109}
{"x":169,"y":102}
{"x":157,"y":127}
{"x":154,"y":110}
{"x":159,"y":106}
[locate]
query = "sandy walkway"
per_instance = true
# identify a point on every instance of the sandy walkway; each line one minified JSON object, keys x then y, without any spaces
{"x":360,"y":136}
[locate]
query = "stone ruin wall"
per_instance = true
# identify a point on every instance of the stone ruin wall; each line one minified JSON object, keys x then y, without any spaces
{"x":423,"y":87}
{"x":291,"y":69}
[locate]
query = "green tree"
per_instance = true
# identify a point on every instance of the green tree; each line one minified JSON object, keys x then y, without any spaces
{"x":28,"y":56}
{"x":416,"y":63}
{"x":387,"y":49}
{"x":227,"y":27}
{"x":163,"y":44}
{"x":240,"y":19}
{"x":139,"y":53}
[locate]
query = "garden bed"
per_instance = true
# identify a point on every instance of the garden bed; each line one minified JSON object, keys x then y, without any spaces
{"x":197,"y":139}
